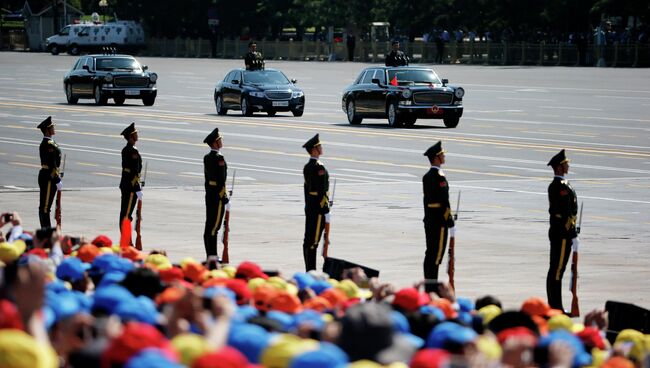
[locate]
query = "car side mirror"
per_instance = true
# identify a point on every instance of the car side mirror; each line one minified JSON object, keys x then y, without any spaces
{"x":445,"y":82}
{"x":294,"y":81}
{"x":376,"y":81}
{"x":86,"y":67}
{"x":145,"y":67}
{"x":234,"y":81}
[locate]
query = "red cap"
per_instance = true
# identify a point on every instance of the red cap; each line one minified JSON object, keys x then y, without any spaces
{"x":287,"y":303}
{"x":39,"y":252}
{"x":430,"y":358}
{"x":335,"y":296}
{"x":170,"y":274}
{"x":195,"y":272}
{"x":170,"y":295}
{"x":226,"y":357}
{"x":535,"y":306}
{"x":318,"y":304}
{"x":240,"y":287}
{"x":410,"y":299}
{"x":102,"y":241}
{"x":217,"y":281}
{"x":135,"y":337}
{"x":517,"y":332}
{"x":591,"y":337}
{"x":88,"y":252}
{"x":618,"y":362}
{"x":10,"y":316}
{"x":446,"y":307}
{"x":249,"y":270}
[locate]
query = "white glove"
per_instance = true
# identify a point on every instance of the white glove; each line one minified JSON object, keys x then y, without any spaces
{"x":327,"y":218}
{"x":228,"y":206}
{"x":575,"y":243}
{"x":59,"y":186}
{"x":452,"y":232}
{"x":139,"y":195}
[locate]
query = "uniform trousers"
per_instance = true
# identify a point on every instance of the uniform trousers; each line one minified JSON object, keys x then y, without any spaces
{"x":436,"y":237}
{"x":46,"y":197}
{"x":127,"y":204}
{"x":314,"y":226}
{"x":560,"y":253}
{"x":214,"y":212}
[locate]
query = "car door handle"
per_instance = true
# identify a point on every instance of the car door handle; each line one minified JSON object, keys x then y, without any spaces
{"x":368,"y":90}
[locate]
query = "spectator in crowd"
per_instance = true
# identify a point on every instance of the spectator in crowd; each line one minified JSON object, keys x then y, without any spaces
{"x":16,"y":229}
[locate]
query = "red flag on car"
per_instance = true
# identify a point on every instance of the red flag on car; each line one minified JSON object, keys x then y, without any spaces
{"x":394,"y":81}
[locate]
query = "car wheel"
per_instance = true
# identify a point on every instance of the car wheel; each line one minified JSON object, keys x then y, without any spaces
{"x":99,"y":98}
{"x":394,"y":120}
{"x":119,"y":101}
{"x":409,"y":122}
{"x":352,"y":113}
{"x":74,"y":49}
{"x":218,"y":102}
{"x":69,"y":96}
{"x":148,"y":100}
{"x":297,"y":112}
{"x":271,"y":112}
{"x":246,"y":108}
{"x":54,"y":49}
{"x":451,"y":122}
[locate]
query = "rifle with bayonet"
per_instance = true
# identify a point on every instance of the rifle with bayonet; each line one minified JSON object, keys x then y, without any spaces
{"x":451,"y":266}
{"x":326,"y":236}
{"x":57,"y":211}
{"x":575,"y":307}
{"x":138,"y":221}
{"x":225,"y":258}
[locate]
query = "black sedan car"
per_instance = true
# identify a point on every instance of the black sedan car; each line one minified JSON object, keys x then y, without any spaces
{"x":402,"y":95}
{"x":258,"y":90}
{"x":101,"y":77}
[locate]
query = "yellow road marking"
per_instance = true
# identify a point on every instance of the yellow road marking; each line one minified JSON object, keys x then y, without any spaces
{"x":3,"y":154}
{"x":623,"y":136}
{"x":353,"y":193}
{"x":333,"y":129}
{"x":397,"y":196}
{"x":156,"y":172}
{"x":189,"y":176}
{"x":493,"y":206}
{"x":607,"y":218}
{"x":639,"y":185}
{"x":510,"y":148}
{"x":108,"y":174}
{"x":25,"y":164}
{"x":537,"y":211}
{"x":588,"y":154}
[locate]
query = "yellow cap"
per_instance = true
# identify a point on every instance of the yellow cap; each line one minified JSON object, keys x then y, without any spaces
{"x":560,"y":322}
{"x":9,"y":252}
{"x":352,"y":290}
{"x":489,"y":312}
{"x":190,"y":346}
{"x":19,"y":350}
{"x":158,"y":261}
{"x":230,"y":270}
{"x":284,"y":348}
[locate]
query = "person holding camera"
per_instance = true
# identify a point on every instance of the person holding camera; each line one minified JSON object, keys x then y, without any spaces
{"x":216,"y":195}
{"x":438,"y":219}
{"x":15,"y":231}
{"x":49,"y":180}
{"x":131,"y":168}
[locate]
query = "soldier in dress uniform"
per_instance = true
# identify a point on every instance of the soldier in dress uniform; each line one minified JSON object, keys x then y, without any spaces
{"x":317,"y":206}
{"x":438,"y":219}
{"x":563,"y":209}
{"x":396,"y":57}
{"x":48,"y":177}
{"x":131,"y":167}
{"x":216,"y":196}
{"x":253,"y":59}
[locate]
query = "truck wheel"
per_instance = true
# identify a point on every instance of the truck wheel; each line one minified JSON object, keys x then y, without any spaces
{"x":74,"y":49}
{"x":54,"y":49}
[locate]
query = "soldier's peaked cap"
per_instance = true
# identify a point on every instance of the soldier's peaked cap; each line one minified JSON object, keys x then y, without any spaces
{"x":434,"y":150}
{"x":213,"y":136}
{"x":46,"y":123}
{"x":313,"y":142}
{"x":558,"y":159}
{"x":129,"y":130}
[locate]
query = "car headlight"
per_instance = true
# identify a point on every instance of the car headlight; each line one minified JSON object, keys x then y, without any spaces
{"x":297,"y":94}
{"x":108,"y":78}
{"x":257,"y":94}
{"x":406,"y":93}
{"x":459,"y":92}
{"x":153,"y":77}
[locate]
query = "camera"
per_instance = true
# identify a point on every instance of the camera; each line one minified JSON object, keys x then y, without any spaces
{"x":45,"y":233}
{"x":75,"y":240}
{"x":7,"y":217}
{"x":432,"y":285}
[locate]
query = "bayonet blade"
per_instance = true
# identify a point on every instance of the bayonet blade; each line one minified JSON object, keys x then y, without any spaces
{"x":144,"y":178}
{"x":63,"y":167}
{"x":457,"y":206}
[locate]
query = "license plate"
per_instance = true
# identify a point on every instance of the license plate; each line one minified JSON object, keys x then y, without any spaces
{"x":280,"y":103}
{"x":132,"y":92}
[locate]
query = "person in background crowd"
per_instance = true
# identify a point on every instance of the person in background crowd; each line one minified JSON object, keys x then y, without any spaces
{"x":16,"y":229}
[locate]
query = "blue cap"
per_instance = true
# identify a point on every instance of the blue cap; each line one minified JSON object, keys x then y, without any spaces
{"x":110,"y":262}
{"x":64,"y":305}
{"x":213,"y":291}
{"x":151,"y":358}
{"x":112,"y":277}
{"x":327,"y":356}
{"x":310,"y":317}
{"x":320,"y":285}
{"x":285,"y":319}
{"x":430,"y":309}
{"x":401,"y":325}
{"x":465,"y":304}
{"x":449,"y":332}
{"x":245,"y":312}
{"x":56,"y":286}
{"x":250,"y":340}
{"x":465,"y":318}
{"x":109,"y":297}
{"x":581,"y":358}
{"x":303,"y":279}
{"x":72,"y":269}
{"x":140,"y":309}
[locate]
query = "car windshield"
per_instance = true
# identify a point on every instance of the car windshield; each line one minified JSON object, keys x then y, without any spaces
{"x":117,"y":64}
{"x":407,"y":77}
{"x":265,"y":77}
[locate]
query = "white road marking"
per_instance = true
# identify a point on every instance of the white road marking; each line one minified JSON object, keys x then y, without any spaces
{"x":527,"y":99}
{"x":13,"y":187}
{"x":569,"y":108}
{"x":623,"y":97}
{"x":524,"y":168}
{"x":377,"y":173}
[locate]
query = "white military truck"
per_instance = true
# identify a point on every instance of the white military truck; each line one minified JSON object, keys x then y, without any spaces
{"x":125,"y":36}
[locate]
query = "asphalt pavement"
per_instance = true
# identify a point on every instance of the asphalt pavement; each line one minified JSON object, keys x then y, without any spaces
{"x":515,"y":119}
